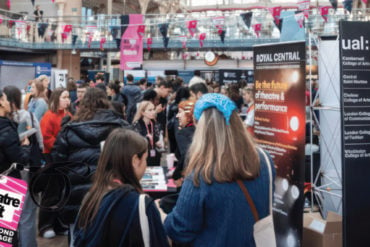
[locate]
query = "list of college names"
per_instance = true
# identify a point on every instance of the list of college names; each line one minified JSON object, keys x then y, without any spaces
{"x":356,"y":103}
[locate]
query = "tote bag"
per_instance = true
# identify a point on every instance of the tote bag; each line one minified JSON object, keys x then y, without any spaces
{"x":263,"y":229}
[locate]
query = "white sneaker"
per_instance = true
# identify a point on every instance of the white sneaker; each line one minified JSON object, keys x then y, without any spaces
{"x":49,"y":234}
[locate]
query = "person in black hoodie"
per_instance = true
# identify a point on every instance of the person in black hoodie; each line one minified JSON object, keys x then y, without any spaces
{"x":80,"y":141}
{"x":11,"y":149}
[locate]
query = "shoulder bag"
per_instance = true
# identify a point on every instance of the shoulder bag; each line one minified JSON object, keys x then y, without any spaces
{"x":263,"y":229}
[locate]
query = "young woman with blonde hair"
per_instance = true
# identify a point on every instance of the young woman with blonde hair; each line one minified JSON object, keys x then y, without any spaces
{"x":145,"y":123}
{"x":211,"y":203}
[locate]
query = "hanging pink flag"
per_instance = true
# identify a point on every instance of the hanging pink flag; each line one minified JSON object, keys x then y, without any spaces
{"x":364,"y":1}
{"x":8,"y":4}
{"x":257,"y":29}
{"x":324,"y":12}
{"x":202,"y":37}
{"x":275,"y":12}
{"x":1,"y":20}
{"x":132,"y":44}
{"x":192,"y":26}
{"x":141,"y":31}
{"x":149,"y":43}
{"x":102,"y":42}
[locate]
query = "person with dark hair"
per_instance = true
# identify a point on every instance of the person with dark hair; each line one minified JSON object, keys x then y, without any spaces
{"x":72,"y":89}
{"x":130,"y":79}
{"x":81,"y":90}
{"x":119,"y":108}
{"x":113,"y":92}
{"x":222,"y":162}
{"x":49,"y":224}
{"x":143,"y":84}
{"x":79,"y":141}
{"x":25,"y":121}
{"x":133,"y":94}
{"x":158,"y":96}
{"x":11,"y":149}
{"x":196,"y":79}
{"x":197,"y":90}
{"x":110,"y":213}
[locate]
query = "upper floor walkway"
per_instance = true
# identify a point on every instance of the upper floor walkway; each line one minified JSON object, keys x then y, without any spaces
{"x":18,"y":32}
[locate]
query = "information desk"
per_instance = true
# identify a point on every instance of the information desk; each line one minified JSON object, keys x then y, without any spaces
{"x":155,"y":182}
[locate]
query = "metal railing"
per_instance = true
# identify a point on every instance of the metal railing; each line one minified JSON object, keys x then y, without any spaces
{"x":20,"y":31}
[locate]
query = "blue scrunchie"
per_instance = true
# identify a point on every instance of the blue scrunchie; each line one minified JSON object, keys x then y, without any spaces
{"x":219,"y":101}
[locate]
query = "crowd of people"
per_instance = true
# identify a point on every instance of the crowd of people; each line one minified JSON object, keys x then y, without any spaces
{"x":117,"y":131}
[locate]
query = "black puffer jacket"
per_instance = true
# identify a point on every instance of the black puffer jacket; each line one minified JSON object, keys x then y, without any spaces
{"x":10,"y":147}
{"x":184,"y":137}
{"x":80,"y":142}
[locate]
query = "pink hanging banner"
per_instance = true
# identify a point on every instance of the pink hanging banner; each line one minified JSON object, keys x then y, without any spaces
{"x":257,"y":28}
{"x":364,"y":1}
{"x":149,"y":43}
{"x":202,"y":37}
{"x":324,"y":11}
{"x":192,"y":26}
{"x":8,"y":4}
{"x":132,"y":44}
{"x":141,"y":31}
{"x":275,"y":12}
{"x":12,"y":192}
{"x":304,"y":5}
{"x":102,"y":42}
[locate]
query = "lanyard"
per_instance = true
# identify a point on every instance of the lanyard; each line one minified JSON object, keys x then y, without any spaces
{"x":150,"y":135}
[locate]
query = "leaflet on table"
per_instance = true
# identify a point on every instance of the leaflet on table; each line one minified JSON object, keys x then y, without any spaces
{"x":154,"y":186}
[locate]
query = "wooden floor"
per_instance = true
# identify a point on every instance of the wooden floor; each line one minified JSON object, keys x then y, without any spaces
{"x":58,"y":241}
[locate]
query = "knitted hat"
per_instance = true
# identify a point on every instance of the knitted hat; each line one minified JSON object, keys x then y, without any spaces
{"x":222,"y":103}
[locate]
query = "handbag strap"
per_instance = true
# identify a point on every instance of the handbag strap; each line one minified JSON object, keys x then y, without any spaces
{"x":144,"y":224}
{"x":249,"y":199}
{"x":248,"y":196}
{"x":270,"y":178}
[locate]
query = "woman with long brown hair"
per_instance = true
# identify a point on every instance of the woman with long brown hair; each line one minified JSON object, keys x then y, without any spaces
{"x":211,"y":203}
{"x":109,"y":214}
{"x":49,"y":224}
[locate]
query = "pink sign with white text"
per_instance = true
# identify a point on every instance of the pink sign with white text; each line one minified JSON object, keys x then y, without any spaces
{"x":12,"y":195}
{"x":132,"y":44}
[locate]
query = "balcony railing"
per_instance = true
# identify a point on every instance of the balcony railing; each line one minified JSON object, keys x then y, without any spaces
{"x":18,"y":31}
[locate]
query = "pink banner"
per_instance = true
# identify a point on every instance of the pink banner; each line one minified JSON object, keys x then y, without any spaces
{"x":12,"y":194}
{"x":132,"y":44}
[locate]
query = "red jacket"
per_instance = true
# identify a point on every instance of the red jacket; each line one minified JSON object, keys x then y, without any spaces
{"x":50,"y":125}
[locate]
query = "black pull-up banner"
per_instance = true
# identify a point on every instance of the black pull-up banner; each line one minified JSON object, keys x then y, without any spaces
{"x":355,"y":110}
